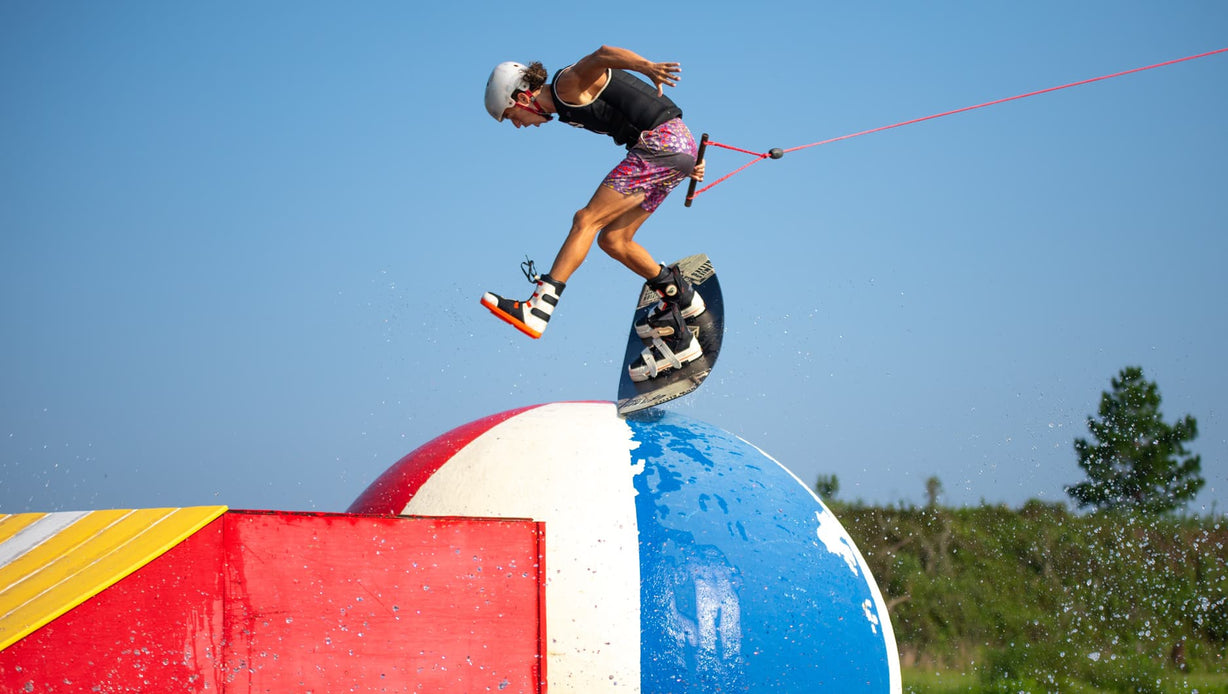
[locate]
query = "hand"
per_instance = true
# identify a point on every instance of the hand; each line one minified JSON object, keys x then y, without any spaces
{"x":698,"y":172}
{"x":662,"y":75}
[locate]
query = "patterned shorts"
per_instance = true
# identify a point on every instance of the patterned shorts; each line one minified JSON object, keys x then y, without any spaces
{"x":662,"y":159}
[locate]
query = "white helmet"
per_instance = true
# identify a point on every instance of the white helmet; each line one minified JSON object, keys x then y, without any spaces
{"x":505,"y":80}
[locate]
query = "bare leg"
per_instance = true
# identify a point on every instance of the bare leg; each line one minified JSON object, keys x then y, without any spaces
{"x":607,"y":207}
{"x":617,"y":239}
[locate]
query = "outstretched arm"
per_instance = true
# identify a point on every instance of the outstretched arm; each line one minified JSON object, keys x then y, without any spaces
{"x":591,"y":68}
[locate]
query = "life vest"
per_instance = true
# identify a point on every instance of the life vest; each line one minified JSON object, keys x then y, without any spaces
{"x":626,"y":107}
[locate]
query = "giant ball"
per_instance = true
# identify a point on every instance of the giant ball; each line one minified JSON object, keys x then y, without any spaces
{"x":679,"y":557}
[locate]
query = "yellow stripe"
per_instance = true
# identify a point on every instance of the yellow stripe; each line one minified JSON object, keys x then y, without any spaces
{"x":77,"y":548}
{"x":51,"y":550}
{"x":85,"y":558}
{"x":12,"y":524}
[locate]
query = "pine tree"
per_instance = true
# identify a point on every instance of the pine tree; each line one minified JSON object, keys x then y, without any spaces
{"x":827,"y":486}
{"x":1138,"y":462}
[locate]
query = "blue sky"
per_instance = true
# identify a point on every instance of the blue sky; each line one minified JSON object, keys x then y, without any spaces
{"x":242,"y":244}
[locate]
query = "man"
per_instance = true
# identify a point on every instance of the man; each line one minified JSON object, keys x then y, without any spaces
{"x":598,"y":94}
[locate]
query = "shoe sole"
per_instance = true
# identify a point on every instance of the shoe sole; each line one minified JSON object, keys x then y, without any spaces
{"x":512,"y":320}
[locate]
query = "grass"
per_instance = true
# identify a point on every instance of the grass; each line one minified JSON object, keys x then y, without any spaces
{"x":927,"y":681}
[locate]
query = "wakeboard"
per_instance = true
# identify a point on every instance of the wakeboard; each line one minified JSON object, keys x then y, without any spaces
{"x":708,"y":327}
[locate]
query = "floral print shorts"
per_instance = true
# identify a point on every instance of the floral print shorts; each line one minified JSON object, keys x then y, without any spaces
{"x":662,"y":159}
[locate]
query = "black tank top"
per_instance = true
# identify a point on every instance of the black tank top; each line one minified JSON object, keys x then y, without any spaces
{"x":626,"y":107}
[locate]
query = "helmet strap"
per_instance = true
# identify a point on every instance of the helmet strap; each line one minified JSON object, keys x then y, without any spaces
{"x":533,"y":106}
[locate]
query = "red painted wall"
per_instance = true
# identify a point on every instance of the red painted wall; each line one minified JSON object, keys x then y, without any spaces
{"x":281,"y":602}
{"x":160,"y":625}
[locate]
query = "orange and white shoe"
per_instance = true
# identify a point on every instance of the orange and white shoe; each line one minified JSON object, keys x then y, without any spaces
{"x":529,"y":317}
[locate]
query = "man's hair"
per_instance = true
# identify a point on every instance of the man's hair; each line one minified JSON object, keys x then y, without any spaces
{"x":535,"y":75}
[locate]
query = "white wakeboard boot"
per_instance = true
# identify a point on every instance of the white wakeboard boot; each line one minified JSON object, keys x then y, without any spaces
{"x":673,"y":290}
{"x":673,"y":346}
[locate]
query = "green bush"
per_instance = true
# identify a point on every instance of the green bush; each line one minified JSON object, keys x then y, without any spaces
{"x":1042,"y":599}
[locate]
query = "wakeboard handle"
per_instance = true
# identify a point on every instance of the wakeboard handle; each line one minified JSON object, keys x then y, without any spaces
{"x":699,"y":156}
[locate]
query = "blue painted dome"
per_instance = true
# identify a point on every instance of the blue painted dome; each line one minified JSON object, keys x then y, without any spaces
{"x":749,"y":579}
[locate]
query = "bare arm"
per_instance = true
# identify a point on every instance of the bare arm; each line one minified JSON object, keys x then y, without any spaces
{"x":588,"y":74}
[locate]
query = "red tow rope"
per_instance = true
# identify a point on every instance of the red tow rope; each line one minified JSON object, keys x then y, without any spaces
{"x":776,"y":152}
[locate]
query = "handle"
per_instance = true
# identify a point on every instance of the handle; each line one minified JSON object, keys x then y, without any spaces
{"x":699,"y":156}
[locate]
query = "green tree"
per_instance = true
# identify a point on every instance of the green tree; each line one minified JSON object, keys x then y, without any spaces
{"x":933,"y":490}
{"x":1138,"y":462}
{"x":827,"y":486}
